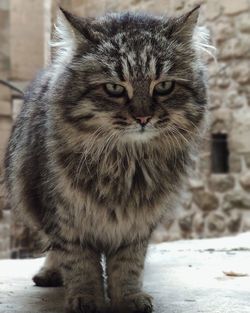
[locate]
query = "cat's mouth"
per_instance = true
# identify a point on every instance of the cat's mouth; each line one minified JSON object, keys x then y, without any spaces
{"x":142,"y":129}
{"x":140,"y":133}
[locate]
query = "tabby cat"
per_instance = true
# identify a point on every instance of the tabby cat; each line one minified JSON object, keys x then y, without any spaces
{"x":100,"y":147}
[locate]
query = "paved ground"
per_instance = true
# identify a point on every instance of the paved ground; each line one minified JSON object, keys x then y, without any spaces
{"x":183,"y":277}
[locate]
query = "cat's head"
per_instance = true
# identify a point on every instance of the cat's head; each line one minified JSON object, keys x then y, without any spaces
{"x":136,"y":77}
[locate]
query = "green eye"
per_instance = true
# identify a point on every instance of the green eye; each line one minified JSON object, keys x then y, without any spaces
{"x":114,"y":90}
{"x":164,"y":88}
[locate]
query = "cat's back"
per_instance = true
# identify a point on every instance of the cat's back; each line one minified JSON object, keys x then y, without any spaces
{"x":30,"y":121}
{"x":26,"y":152}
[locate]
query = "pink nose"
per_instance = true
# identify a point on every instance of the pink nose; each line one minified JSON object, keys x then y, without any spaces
{"x":143,"y":120}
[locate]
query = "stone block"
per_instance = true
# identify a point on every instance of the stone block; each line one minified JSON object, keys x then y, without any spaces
{"x":178,"y":4}
{"x":5,"y":108}
{"x":5,"y":124}
{"x":27,"y":37}
{"x":199,"y":222}
{"x":247,"y":159}
{"x":213,"y":9}
{"x":221,"y":182}
{"x":205,"y":164}
{"x":4,"y":5}
{"x":234,"y":7}
{"x":186,"y":223}
{"x":216,"y":222}
{"x":237,"y":47}
{"x":4,"y":39}
{"x":215,"y":100}
{"x":235,"y":101}
{"x":87,"y":7}
{"x":5,"y":94}
{"x":235,"y":163}
{"x":221,"y":120}
{"x":234,"y":222}
{"x":243,"y":23}
{"x":5,"y":255}
{"x":245,"y":181}
{"x":224,"y":31}
{"x":246,"y":223}
{"x":223,"y":82}
{"x":236,"y":200}
{"x":205,"y":200}
{"x":241,"y":72}
{"x":239,"y":137}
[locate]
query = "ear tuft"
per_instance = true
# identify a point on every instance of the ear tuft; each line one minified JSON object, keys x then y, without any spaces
{"x":82,"y":26}
{"x":64,"y":39}
{"x":76,"y":23}
{"x":192,"y":16}
{"x":68,"y":35}
{"x":187,"y":22}
{"x":199,"y":35}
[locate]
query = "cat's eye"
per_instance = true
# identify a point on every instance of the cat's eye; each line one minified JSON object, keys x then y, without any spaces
{"x":164,"y":88}
{"x":114,"y":90}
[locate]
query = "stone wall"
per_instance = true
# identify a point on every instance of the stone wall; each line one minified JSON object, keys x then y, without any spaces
{"x":217,"y":200}
{"x":215,"y":203}
{"x":5,"y":122}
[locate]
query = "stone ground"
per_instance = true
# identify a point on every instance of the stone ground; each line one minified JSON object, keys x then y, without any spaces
{"x":183,"y":277}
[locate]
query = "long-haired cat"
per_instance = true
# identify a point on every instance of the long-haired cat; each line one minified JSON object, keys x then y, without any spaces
{"x":100,"y":148}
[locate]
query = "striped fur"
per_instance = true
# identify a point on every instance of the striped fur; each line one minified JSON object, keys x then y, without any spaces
{"x":79,"y":167}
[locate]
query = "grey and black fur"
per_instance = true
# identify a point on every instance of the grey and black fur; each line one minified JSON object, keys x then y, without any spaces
{"x":95,"y":171}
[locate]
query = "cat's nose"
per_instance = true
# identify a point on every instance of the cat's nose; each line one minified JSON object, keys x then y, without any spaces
{"x":143,"y":120}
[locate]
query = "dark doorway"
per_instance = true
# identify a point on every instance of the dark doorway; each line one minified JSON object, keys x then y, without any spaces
{"x":220,"y":153}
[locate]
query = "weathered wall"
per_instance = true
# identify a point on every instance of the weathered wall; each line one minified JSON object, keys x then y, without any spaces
{"x":213,"y":204}
{"x":5,"y":120}
{"x":219,"y":204}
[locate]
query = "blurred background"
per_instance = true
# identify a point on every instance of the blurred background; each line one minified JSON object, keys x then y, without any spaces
{"x":216,"y":200}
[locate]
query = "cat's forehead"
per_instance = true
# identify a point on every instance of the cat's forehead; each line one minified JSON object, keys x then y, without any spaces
{"x":136,"y":45}
{"x":136,"y":57}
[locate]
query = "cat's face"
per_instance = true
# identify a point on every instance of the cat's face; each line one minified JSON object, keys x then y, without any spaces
{"x":136,"y":77}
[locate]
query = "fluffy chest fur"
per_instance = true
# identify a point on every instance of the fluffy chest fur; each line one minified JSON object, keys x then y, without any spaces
{"x":136,"y":176}
{"x":119,"y":197}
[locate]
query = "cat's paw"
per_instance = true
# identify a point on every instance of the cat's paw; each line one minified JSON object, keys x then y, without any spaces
{"x":48,"y":278}
{"x":83,"y":304}
{"x":136,"y":303}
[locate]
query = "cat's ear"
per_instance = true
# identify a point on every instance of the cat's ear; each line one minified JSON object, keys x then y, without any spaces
{"x":187,"y":22}
{"x":70,"y":33}
{"x":80,"y":27}
{"x":199,"y":36}
{"x":71,"y":30}
{"x":184,"y":25}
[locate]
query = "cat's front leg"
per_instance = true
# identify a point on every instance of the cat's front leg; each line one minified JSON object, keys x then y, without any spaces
{"x":124,"y":269}
{"x":82,"y":272}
